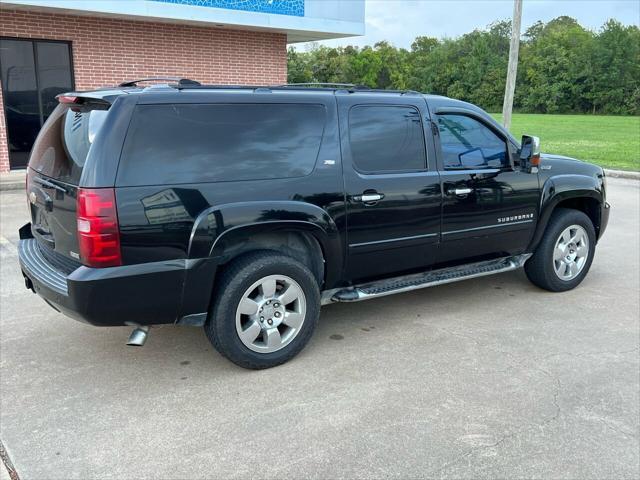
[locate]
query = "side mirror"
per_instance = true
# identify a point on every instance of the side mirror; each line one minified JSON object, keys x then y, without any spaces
{"x":530,"y":152}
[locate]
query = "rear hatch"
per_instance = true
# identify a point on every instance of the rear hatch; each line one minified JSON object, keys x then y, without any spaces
{"x":53,"y":176}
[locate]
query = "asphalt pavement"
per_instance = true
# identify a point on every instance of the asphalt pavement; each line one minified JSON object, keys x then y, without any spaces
{"x":486,"y":378}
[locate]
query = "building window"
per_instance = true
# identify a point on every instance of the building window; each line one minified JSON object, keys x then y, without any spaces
{"x":33,"y":73}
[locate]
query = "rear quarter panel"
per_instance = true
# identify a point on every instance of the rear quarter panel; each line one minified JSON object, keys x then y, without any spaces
{"x":184,"y":221}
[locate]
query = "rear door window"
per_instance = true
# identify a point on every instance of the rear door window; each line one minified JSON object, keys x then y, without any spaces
{"x":174,"y":144}
{"x":386,"y":138}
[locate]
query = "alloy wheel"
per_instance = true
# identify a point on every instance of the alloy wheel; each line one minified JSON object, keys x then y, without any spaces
{"x":270,"y":313}
{"x":571,"y":252}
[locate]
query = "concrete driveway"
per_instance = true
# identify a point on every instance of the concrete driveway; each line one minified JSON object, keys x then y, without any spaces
{"x":487,"y":378}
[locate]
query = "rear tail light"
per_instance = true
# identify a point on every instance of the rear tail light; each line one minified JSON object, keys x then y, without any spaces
{"x":98,"y":234}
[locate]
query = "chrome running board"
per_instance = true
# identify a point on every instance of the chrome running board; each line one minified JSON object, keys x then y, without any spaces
{"x":431,"y":278}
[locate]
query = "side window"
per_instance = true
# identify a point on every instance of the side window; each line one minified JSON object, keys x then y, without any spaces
{"x":386,"y":138}
{"x":467,"y":143}
{"x":191,"y":143}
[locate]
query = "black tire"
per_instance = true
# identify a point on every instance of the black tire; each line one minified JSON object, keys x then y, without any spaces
{"x":232,"y":284}
{"x":540,"y":267}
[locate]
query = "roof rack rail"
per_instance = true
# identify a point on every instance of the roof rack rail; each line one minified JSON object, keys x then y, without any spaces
{"x":183,"y":82}
{"x":186,"y":84}
{"x":323,"y":84}
{"x":315,"y":84}
{"x":348,"y":86}
{"x":219,"y":87}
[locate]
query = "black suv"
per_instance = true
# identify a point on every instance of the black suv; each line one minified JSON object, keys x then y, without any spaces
{"x":244,"y":209}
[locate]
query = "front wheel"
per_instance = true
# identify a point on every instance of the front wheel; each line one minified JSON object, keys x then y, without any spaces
{"x":265,"y":310}
{"x":565,"y":253}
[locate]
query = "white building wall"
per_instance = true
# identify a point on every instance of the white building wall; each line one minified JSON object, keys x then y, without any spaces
{"x":322,"y":19}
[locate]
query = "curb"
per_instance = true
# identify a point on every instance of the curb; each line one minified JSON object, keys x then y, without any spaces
{"x":622,"y":174}
{"x":15,"y":180}
{"x":6,"y":186}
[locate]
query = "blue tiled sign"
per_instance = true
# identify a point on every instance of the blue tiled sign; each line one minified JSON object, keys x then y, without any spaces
{"x":279,"y":7}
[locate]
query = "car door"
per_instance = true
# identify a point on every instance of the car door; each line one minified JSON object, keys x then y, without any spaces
{"x":393,"y":199}
{"x":489,"y":207}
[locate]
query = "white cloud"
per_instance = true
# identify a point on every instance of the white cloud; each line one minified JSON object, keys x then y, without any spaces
{"x":400,"y":21}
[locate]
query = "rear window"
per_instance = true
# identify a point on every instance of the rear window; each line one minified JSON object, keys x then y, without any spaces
{"x":173,"y":144}
{"x":62,"y":146}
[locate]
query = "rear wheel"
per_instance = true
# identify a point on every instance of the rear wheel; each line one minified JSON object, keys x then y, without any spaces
{"x":565,"y":253}
{"x":265,"y":310}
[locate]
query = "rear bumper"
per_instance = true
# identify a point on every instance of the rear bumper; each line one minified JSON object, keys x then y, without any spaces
{"x":143,"y":294}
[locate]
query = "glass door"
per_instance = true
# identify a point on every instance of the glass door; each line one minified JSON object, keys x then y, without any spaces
{"x":33,"y":73}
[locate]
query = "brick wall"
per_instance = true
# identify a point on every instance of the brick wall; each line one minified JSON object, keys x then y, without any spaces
{"x":108,"y":51}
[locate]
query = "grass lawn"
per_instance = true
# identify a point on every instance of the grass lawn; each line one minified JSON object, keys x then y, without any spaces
{"x":613,"y":142}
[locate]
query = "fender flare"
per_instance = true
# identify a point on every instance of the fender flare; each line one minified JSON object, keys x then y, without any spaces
{"x":218,"y":226}
{"x":557,"y":189}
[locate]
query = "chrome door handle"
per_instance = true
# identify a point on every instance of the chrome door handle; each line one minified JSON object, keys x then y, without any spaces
{"x":371,"y":197}
{"x":368,"y":197}
{"x":460,"y":191}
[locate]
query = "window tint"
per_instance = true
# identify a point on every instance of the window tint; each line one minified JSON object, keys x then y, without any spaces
{"x":467,"y":143}
{"x":63,"y":144}
{"x":172,"y":144}
{"x":386,"y":138}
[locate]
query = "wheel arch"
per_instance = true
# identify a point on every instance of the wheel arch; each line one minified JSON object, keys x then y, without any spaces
{"x":218,"y":229}
{"x":578,"y":192}
{"x":299,"y":241}
{"x":224,"y":232}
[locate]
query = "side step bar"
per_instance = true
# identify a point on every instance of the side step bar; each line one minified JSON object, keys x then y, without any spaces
{"x":431,"y":278}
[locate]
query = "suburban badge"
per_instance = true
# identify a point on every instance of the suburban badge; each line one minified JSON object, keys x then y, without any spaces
{"x":515,"y":218}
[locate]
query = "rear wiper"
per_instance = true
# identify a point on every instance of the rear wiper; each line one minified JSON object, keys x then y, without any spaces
{"x":49,"y":184}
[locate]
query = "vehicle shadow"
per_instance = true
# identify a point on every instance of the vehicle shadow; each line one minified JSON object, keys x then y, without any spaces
{"x":172,"y":346}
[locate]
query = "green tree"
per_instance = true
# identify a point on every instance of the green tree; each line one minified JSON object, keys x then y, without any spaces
{"x":563,"y":67}
{"x":616,"y":63}
{"x":298,"y":67}
{"x":557,"y":75}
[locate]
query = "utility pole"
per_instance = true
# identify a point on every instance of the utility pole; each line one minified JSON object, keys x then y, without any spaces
{"x":512,"y":70}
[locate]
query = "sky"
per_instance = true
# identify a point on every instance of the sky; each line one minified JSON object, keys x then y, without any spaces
{"x":400,"y":21}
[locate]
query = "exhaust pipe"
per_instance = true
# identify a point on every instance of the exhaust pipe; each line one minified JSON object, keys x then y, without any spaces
{"x":138,"y":336}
